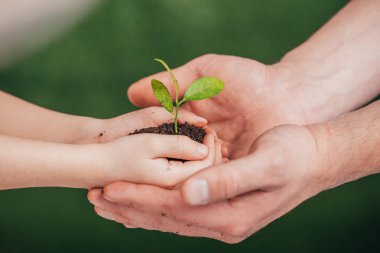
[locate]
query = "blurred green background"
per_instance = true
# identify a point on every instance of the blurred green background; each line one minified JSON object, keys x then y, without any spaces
{"x":87,"y":71}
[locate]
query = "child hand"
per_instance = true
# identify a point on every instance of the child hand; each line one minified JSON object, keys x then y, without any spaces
{"x":144,"y":158}
{"x":111,"y":129}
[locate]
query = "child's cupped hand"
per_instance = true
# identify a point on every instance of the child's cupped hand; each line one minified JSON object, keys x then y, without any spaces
{"x":153,"y":158}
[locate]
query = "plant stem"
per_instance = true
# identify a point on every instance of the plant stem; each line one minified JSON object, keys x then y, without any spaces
{"x":182,"y":101}
{"x":174,"y":116}
{"x":177,"y":104}
{"x":176,"y":120}
{"x":176,"y":88}
{"x":176,"y":108}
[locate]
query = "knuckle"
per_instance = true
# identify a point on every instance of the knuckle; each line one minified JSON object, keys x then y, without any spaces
{"x":278,"y":159}
{"x":125,"y":214}
{"x":278,"y":166}
{"x":108,"y":191}
{"x":167,"y":181}
{"x":200,"y":62}
{"x":112,"y":192}
{"x":235,"y":183}
{"x":155,"y":143}
{"x":91,"y":196}
{"x":172,"y":180}
{"x":158,"y":114}
{"x":180,"y":143}
{"x":229,"y":184}
{"x":167,"y":176}
{"x":239,"y":230}
{"x":159,"y":223}
{"x":137,"y":139}
{"x":97,"y":210}
{"x":168,"y":209}
{"x":207,"y":57}
{"x":152,"y":110}
{"x":233,"y":240}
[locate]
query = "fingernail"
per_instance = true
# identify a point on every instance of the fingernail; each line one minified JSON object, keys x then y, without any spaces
{"x":198,"y":192}
{"x":106,"y":215}
{"x":202,"y":149}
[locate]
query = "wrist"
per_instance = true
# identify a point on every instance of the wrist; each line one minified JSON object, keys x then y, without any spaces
{"x":89,"y":130}
{"x":29,"y":163}
{"x":325,"y":169}
{"x":87,"y":166}
{"x":337,"y":162}
{"x":348,"y":147}
{"x":311,"y":90}
{"x":99,"y":169}
{"x":95,"y":174}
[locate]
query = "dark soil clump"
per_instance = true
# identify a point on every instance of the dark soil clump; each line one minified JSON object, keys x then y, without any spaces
{"x":193,"y":132}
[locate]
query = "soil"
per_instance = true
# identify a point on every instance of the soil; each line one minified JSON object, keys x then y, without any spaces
{"x":193,"y":132}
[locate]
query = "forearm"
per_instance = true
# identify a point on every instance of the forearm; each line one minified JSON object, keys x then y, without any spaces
{"x":27,"y":163}
{"x":338,"y":68}
{"x":350,"y":146}
{"x":25,"y":120}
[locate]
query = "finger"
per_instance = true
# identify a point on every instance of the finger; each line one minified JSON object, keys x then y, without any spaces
{"x":209,"y":142}
{"x":177,"y":171}
{"x":140,"y":93}
{"x":114,"y":212}
{"x":177,"y":147}
{"x":218,"y":152}
{"x":155,"y":116}
{"x":110,"y":214}
{"x":108,"y":210}
{"x":225,"y":150}
{"x":95,"y":197}
{"x":230,"y":179}
{"x":189,"y":117}
{"x":101,"y":205}
{"x":246,"y":214}
{"x":133,"y":218}
{"x":155,"y":200}
{"x":166,"y":173}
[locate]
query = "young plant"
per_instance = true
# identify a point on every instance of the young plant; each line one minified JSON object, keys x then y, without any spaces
{"x":202,"y":88}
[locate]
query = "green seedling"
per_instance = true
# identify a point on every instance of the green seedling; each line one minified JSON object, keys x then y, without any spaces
{"x":202,"y":88}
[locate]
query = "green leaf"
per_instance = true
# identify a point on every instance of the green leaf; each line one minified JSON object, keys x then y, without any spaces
{"x":203,"y":88}
{"x":174,"y":80}
{"x":162,"y":94}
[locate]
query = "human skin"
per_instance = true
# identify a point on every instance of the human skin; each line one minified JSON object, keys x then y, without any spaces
{"x":288,"y":165}
{"x":22,"y":119}
{"x":141,"y":158}
{"x":334,"y":72}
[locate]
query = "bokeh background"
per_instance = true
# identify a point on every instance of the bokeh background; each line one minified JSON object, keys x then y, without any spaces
{"x":87,"y":71}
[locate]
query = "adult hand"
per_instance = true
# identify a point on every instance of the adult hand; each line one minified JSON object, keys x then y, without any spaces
{"x":152,"y":158}
{"x":287,"y":165}
{"x":256,"y":97}
{"x":313,"y":83}
{"x":275,"y":172}
{"x":284,"y":169}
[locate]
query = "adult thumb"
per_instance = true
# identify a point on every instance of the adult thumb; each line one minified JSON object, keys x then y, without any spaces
{"x":228,"y":180}
{"x":140,"y":93}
